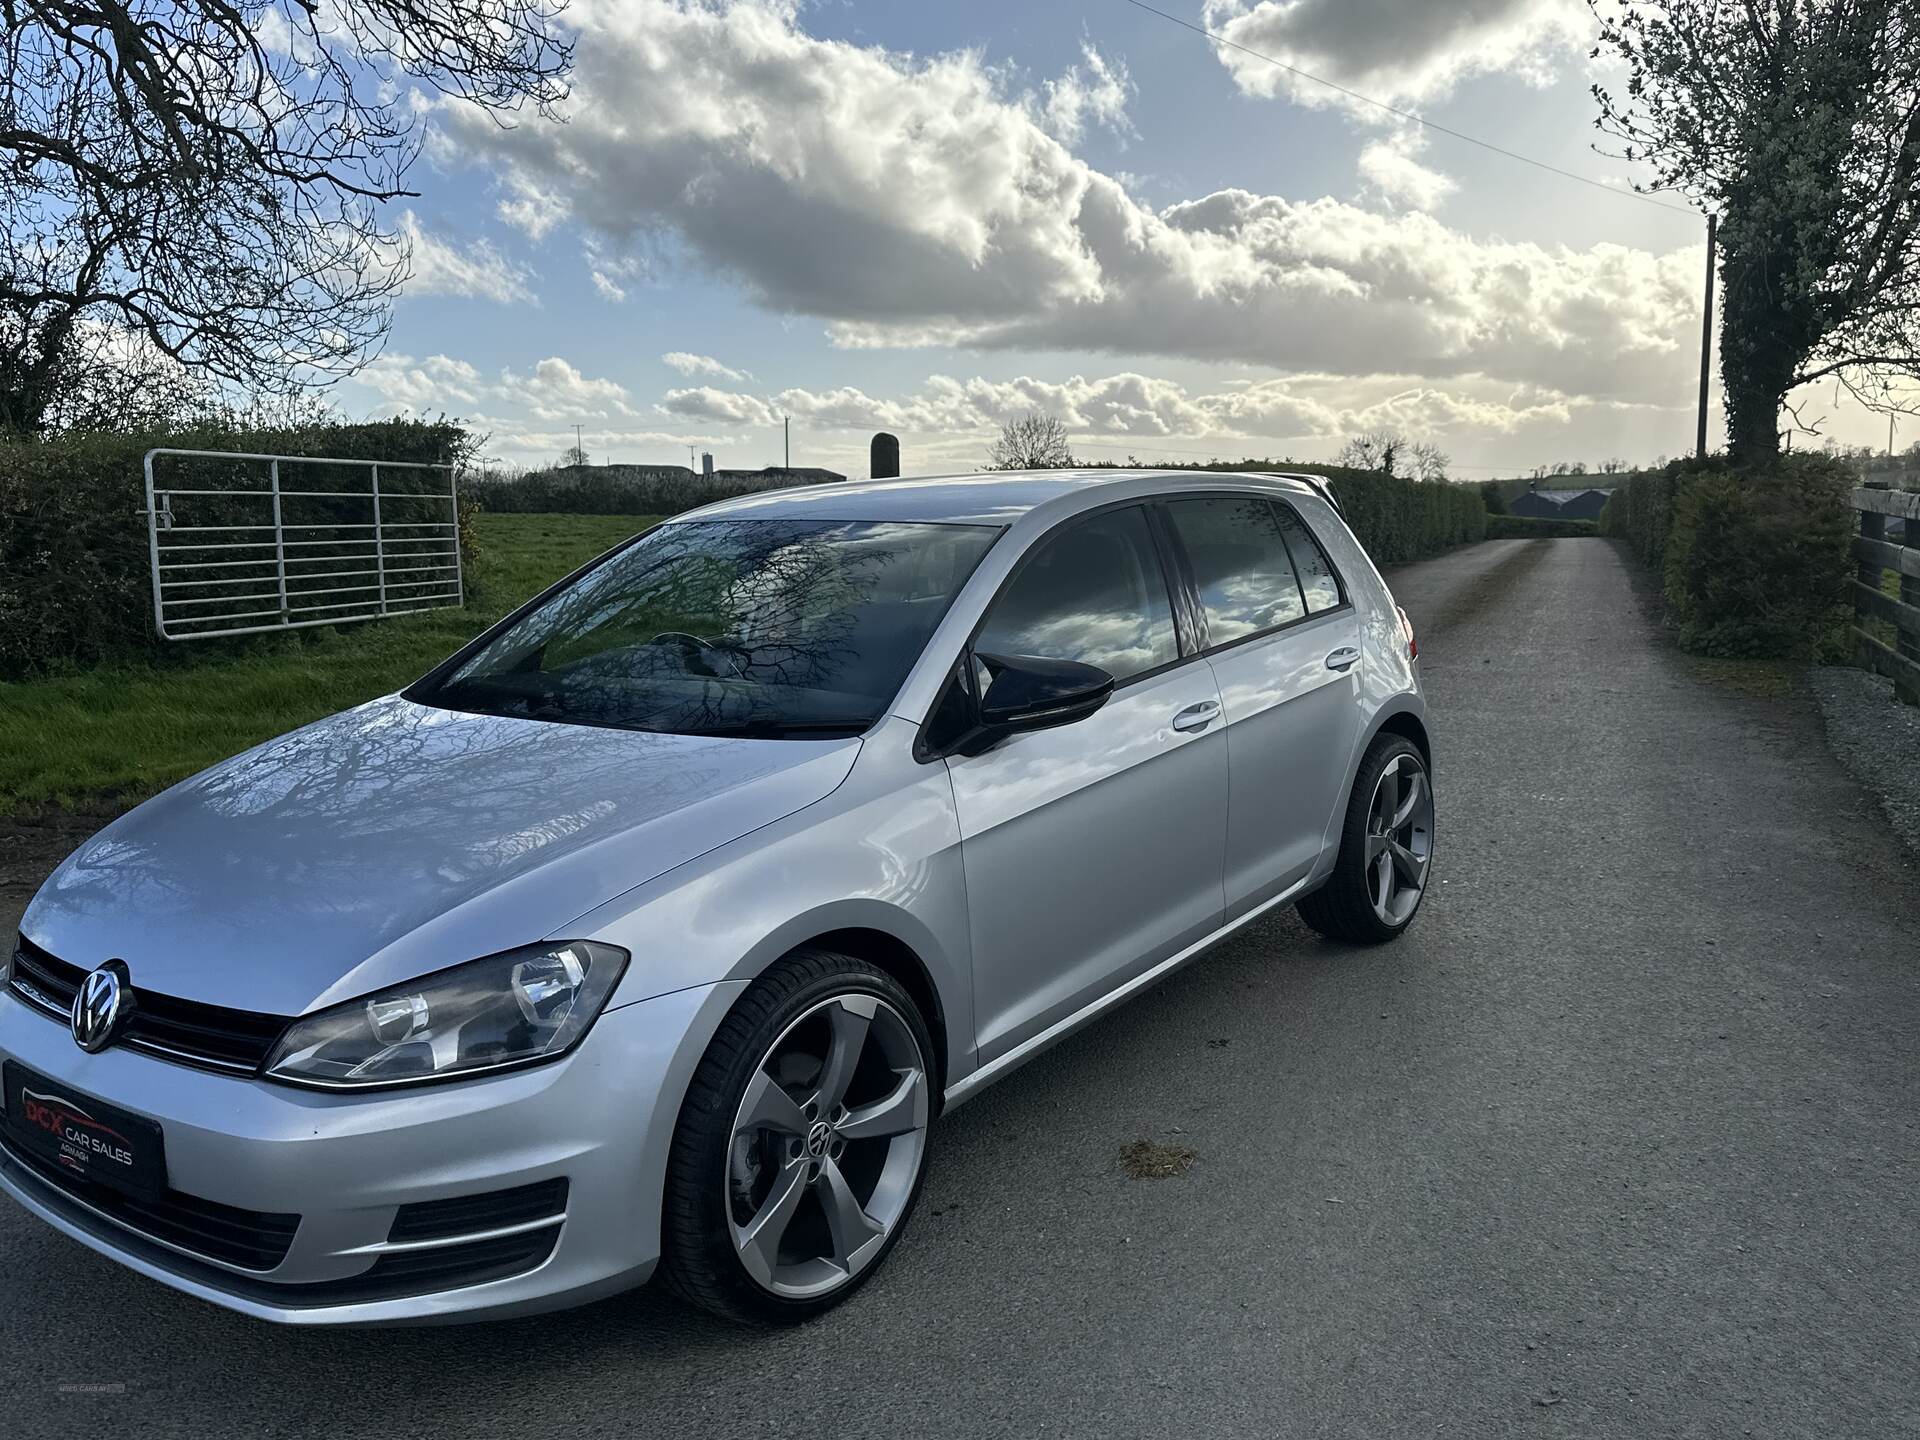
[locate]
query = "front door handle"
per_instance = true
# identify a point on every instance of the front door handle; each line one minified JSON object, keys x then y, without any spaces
{"x":1197,"y":717}
{"x":1345,"y":658}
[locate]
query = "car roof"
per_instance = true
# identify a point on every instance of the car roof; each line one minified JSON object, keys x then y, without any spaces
{"x":993,"y":498}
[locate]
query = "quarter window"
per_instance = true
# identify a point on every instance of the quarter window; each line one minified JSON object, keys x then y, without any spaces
{"x":1317,"y":580}
{"x":1238,"y":553}
{"x":1095,"y":593}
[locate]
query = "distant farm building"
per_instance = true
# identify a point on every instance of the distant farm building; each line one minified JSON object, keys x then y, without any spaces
{"x":1560,"y":504}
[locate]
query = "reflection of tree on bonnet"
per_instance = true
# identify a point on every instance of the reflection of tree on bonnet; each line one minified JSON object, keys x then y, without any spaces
{"x":682,"y":669}
{"x":727,"y":627}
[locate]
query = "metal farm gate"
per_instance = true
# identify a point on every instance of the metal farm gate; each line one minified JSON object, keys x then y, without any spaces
{"x":237,"y":549}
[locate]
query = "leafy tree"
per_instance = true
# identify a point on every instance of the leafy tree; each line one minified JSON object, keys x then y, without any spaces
{"x":1798,"y":122}
{"x":203,"y":180}
{"x":1494,"y":496}
{"x":1033,"y":442}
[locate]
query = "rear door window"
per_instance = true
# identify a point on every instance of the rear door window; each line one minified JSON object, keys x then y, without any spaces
{"x":1317,"y":578}
{"x":1238,"y":553}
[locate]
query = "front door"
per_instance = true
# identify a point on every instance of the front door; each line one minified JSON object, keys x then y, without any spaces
{"x":1092,"y":851}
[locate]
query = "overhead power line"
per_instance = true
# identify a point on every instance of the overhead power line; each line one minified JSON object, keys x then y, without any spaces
{"x":1409,"y":115}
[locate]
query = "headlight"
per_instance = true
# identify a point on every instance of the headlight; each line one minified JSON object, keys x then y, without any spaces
{"x":511,"y":1009}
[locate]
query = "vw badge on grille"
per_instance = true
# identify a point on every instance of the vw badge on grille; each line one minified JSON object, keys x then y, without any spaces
{"x":103,"y":1000}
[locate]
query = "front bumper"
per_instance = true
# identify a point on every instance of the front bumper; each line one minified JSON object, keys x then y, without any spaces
{"x":601,"y":1119}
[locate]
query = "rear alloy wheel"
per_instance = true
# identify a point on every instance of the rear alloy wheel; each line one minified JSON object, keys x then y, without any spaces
{"x":1386,"y":849}
{"x":803,"y":1142}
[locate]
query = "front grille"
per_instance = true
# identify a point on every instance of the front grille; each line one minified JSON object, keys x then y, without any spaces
{"x":211,"y":1036}
{"x":251,"y":1239}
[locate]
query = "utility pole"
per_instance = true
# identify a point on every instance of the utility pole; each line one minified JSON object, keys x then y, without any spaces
{"x":1706,"y":339}
{"x":579,"y":446}
{"x":786,"y":426}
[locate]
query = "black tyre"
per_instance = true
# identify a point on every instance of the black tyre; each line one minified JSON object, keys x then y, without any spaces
{"x":1386,"y":850}
{"x":802,"y":1144}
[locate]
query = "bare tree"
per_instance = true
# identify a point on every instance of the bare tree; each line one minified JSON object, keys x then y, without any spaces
{"x":1379,"y":450}
{"x":1033,"y":442}
{"x":208,"y":176}
{"x":1798,"y":121}
{"x":1429,"y":461}
{"x":573,"y":455}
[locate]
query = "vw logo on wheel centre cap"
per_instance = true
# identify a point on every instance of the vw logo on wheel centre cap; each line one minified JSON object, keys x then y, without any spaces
{"x":104,"y":999}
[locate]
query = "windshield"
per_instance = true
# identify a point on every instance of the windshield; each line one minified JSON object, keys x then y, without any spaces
{"x":775,"y":628}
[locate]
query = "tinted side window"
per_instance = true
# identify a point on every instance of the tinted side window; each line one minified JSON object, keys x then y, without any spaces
{"x":1317,"y":579}
{"x":1094,"y":593}
{"x":1240,"y":567}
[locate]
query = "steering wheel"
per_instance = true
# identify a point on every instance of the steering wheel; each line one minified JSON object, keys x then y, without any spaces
{"x":699,"y":645}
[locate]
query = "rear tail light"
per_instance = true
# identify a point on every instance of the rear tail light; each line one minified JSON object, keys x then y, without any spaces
{"x":1406,"y":628}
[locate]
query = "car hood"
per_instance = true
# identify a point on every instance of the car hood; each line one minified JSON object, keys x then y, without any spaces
{"x":396,"y":839}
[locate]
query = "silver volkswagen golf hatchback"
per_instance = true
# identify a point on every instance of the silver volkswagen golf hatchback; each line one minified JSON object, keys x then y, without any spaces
{"x":653,"y":929}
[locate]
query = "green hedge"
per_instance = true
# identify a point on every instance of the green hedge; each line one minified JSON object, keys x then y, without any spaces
{"x":75,"y":588}
{"x":1399,"y":520}
{"x":1754,"y":563}
{"x":612,"y":490}
{"x":1396,"y":519}
{"x":1538,"y":527}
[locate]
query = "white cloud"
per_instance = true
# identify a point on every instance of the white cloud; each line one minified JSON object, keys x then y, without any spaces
{"x":1388,"y":169}
{"x":1096,"y":90}
{"x":688,"y":364}
{"x":728,"y":407}
{"x":554,"y":390}
{"x":441,"y":267}
{"x":438,"y":382}
{"x":608,"y":288}
{"x":1136,"y":406}
{"x":918,"y":203}
{"x":1398,"y":51}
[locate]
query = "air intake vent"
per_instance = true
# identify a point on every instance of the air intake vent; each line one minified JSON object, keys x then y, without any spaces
{"x":479,"y":1214}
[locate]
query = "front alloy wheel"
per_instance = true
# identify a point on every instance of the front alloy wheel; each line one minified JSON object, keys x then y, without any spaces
{"x":803,"y":1141}
{"x":827,"y":1146}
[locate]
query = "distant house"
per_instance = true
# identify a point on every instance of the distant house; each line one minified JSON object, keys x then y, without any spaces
{"x":1560,"y":504}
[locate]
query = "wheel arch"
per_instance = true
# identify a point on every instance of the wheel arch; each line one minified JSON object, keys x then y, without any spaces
{"x":895,"y":942}
{"x":893,"y":955}
{"x":1408,"y":725}
{"x":1401,"y":716}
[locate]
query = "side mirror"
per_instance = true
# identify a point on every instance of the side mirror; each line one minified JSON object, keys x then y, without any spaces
{"x":1025,"y":692}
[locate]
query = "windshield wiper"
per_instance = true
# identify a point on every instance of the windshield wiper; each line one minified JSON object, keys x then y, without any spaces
{"x":779,"y":729}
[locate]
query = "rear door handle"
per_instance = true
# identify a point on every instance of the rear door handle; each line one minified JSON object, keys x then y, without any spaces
{"x":1197,"y":717}
{"x":1345,"y":658}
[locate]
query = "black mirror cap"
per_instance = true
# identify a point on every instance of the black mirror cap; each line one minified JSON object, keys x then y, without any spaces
{"x":1026,"y":692}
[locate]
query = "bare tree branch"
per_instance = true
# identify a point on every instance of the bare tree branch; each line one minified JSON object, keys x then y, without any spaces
{"x":208,"y":176}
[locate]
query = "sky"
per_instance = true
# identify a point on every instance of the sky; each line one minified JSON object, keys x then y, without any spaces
{"x":932,"y":216}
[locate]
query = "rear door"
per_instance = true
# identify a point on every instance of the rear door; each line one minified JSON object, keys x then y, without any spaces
{"x":1283,"y":641}
{"x":1092,"y":851}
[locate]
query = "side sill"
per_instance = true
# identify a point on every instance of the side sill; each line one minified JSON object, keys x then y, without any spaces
{"x":965,"y":1089}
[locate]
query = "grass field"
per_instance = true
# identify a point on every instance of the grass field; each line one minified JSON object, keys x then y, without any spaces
{"x":120,"y":733}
